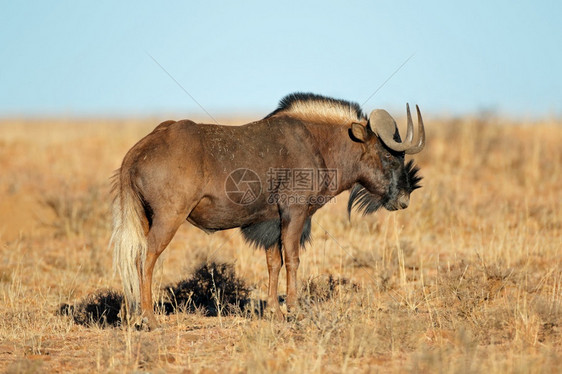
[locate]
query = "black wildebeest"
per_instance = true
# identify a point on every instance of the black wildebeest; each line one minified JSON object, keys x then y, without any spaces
{"x":267,"y":177}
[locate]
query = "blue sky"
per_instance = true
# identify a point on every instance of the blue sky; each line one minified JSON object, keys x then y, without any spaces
{"x":73,"y":58}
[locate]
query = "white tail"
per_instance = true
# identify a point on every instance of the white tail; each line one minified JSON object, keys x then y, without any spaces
{"x":128,"y":238}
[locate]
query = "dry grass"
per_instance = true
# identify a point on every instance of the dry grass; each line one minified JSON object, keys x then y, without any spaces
{"x":467,"y":279}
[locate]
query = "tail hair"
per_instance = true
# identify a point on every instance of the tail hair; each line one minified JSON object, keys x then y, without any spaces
{"x":128,"y":238}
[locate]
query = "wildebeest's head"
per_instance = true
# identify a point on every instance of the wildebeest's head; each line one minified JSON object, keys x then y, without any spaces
{"x":386,"y":181}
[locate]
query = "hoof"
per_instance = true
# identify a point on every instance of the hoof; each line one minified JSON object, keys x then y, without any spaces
{"x":276,"y":314}
{"x":151,"y":323}
{"x":146,"y":324}
{"x":294,"y":316}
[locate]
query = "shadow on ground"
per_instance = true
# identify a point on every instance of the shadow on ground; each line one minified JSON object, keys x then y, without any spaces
{"x":213,"y":289}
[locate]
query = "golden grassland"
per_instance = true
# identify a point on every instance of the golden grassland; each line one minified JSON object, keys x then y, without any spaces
{"x":467,"y":279}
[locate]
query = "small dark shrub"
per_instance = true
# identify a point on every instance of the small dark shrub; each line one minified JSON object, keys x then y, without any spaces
{"x":214,"y":288}
{"x":101,"y":308}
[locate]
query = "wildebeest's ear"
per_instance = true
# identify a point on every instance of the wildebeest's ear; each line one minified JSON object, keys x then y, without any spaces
{"x":358,"y":132}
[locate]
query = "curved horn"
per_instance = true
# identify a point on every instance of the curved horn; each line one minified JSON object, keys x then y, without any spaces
{"x":384,"y":126}
{"x":410,"y":131}
{"x":421,"y":135}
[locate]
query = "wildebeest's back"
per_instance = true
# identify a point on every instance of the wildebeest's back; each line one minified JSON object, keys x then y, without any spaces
{"x":259,"y":145}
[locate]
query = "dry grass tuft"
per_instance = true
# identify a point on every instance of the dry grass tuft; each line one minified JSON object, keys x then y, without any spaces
{"x":323,"y":288}
{"x":77,"y":212}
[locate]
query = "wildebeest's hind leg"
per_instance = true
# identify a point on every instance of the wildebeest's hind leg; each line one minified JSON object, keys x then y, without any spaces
{"x":274,"y":263}
{"x":163,"y":229}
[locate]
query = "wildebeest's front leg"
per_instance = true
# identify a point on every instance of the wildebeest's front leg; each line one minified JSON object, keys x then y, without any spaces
{"x":292,"y":223}
{"x":274,"y":263}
